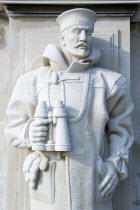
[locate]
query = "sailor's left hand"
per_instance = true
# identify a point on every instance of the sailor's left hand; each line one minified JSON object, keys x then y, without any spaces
{"x":110,"y":181}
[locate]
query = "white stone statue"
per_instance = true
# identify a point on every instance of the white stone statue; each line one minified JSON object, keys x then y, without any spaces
{"x":76,"y":120}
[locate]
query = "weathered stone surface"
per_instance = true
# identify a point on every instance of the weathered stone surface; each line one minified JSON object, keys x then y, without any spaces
{"x":115,"y":34}
{"x":25,"y":34}
{"x":4,"y":98}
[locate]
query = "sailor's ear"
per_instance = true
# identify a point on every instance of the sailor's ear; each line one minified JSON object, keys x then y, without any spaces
{"x":62,"y":40}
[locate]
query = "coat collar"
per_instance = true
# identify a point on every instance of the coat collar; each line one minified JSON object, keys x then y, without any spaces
{"x":53,"y":57}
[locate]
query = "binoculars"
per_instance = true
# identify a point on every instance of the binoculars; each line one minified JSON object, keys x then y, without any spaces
{"x":58,"y":138}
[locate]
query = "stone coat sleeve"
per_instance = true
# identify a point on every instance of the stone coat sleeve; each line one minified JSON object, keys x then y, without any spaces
{"x":119,"y":127}
{"x":20,"y":112}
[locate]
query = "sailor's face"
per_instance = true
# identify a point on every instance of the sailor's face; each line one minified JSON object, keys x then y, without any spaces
{"x":78,"y":41}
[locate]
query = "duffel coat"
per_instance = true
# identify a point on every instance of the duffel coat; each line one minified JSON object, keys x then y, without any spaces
{"x":99,"y":110}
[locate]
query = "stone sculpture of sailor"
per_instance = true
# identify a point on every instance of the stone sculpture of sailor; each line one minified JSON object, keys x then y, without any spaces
{"x":76,"y":119}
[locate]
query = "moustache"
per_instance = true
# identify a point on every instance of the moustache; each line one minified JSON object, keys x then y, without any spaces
{"x":81,"y":44}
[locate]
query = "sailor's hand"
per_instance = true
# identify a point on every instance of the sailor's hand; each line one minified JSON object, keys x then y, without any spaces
{"x":110,"y":181}
{"x":33,"y":163}
{"x":38,"y":130}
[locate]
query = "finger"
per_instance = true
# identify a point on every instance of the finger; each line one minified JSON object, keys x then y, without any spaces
{"x":44,"y":163}
{"x":34,"y":169}
{"x":27,"y":177}
{"x":104,"y":182}
{"x":108,"y":186}
{"x":39,"y":122}
{"x":38,"y":139}
{"x":32,"y":185}
{"x":39,"y":129}
{"x":28,"y":162}
{"x":39,"y":134}
{"x":112,"y":189}
{"x":33,"y":177}
{"x":35,"y":166}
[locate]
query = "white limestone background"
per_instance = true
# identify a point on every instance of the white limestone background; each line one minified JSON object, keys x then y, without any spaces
{"x":4,"y":98}
{"x":28,"y":39}
{"x":23,"y":35}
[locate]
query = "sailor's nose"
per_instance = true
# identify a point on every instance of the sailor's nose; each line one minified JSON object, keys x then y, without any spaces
{"x":82,"y":37}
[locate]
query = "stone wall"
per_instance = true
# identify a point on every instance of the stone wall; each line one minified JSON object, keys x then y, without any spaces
{"x":19,"y":54}
{"x":4,"y":98}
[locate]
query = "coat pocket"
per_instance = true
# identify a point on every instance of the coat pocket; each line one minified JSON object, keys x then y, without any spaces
{"x":99,"y":178}
{"x":45,"y":191}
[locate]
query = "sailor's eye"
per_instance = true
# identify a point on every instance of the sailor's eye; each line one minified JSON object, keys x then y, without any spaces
{"x":76,"y":31}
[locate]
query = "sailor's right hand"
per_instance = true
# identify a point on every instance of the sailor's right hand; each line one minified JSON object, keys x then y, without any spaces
{"x":38,"y":130}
